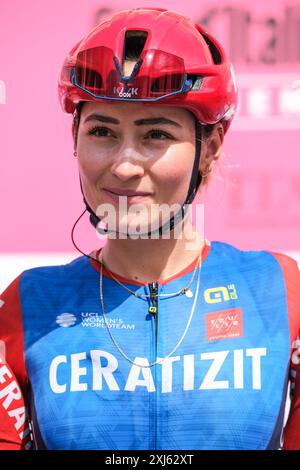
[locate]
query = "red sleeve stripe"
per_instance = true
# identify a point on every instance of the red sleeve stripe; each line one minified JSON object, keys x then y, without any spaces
{"x":14,"y":425}
{"x":11,"y":332}
{"x":291,"y":275}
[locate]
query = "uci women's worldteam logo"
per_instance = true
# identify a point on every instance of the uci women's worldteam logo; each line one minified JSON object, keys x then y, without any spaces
{"x":66,"y":319}
{"x":95,"y":320}
{"x":92,"y":320}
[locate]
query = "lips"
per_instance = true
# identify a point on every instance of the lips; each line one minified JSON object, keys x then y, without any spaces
{"x":126,"y":192}
{"x":132,"y":196}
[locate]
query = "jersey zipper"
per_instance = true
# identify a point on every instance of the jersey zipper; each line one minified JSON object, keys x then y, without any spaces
{"x":153,"y":310}
{"x":153,"y":286}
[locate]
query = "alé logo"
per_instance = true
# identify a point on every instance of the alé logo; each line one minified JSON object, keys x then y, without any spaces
{"x":128,"y":92}
{"x":220,"y":294}
{"x":92,"y":320}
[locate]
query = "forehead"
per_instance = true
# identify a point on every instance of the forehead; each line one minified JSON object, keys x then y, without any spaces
{"x":133,"y":111}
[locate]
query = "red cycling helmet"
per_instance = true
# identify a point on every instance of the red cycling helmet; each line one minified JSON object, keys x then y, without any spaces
{"x":177,"y":63}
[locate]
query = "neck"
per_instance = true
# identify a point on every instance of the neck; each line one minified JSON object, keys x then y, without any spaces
{"x":146,"y":260}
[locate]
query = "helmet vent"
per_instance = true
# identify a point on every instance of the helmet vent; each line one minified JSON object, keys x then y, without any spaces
{"x":134,"y":44}
{"x":217,"y":58}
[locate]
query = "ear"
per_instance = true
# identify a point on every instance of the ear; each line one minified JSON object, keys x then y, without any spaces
{"x":215,"y":142}
{"x":212,"y":148}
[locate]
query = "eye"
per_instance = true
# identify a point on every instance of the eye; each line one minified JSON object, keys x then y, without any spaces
{"x":99,"y":131}
{"x":157,"y":134}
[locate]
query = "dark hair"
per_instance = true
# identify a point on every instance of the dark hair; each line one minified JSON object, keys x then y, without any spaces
{"x":76,"y":120}
{"x":207,"y":129}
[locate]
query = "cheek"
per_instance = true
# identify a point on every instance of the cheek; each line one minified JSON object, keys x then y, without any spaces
{"x":174,"y":169}
{"x":90,"y":169}
{"x":91,"y":161}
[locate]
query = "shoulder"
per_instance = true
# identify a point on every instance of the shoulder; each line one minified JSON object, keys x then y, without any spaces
{"x":250,"y":258}
{"x":43,"y":289}
{"x":77,"y":269}
{"x":56,"y":276}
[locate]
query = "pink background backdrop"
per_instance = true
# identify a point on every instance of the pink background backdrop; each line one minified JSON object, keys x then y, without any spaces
{"x":254,"y":199}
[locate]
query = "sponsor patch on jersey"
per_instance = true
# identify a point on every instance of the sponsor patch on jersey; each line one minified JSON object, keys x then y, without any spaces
{"x":220,"y":294}
{"x":224,"y":324}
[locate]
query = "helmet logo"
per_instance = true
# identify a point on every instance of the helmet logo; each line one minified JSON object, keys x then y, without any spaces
{"x":126,"y":92}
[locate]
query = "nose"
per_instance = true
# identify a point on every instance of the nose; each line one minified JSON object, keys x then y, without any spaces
{"x":127,"y":164}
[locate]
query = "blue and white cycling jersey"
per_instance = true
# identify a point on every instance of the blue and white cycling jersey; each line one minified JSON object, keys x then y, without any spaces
{"x":224,"y":387}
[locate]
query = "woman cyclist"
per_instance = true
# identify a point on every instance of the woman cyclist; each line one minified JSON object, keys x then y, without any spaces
{"x":159,"y":340}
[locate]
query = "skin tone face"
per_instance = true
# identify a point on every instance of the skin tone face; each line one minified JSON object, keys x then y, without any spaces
{"x":146,"y":154}
{"x":145,"y":151}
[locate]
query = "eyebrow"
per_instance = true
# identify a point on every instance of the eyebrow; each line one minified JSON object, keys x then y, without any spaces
{"x":138,"y":122}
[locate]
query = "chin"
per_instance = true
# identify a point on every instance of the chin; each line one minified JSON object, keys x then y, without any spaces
{"x":133,"y":225}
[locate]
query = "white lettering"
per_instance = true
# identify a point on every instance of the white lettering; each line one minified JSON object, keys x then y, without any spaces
{"x":167,"y":373}
{"x":238,"y":368}
{"x":125,"y":94}
{"x":256,"y":354}
{"x":56,"y":388}
{"x":104,"y":367}
{"x":77,"y":372}
{"x":127,"y":461}
{"x":188,"y":372}
{"x":19,"y":414}
{"x":135,"y":229}
{"x":11,"y":392}
{"x":105,"y":372}
{"x":4,"y":371}
{"x":133,"y":378}
{"x":209,"y":382}
{"x":296,"y":353}
{"x":107,"y":215}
